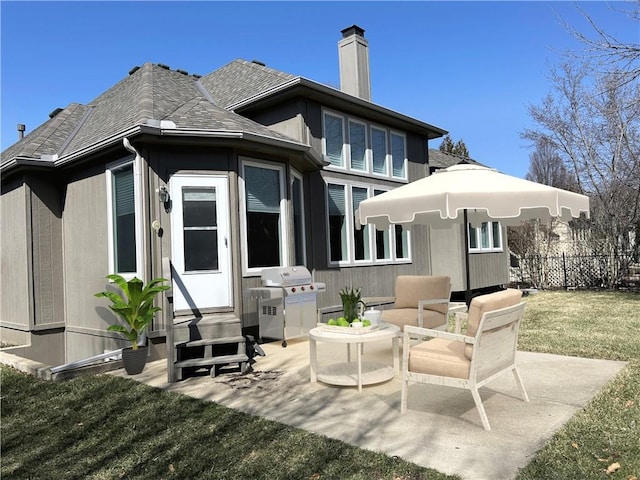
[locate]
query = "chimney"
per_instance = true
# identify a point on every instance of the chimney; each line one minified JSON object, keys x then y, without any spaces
{"x":21,"y":129}
{"x":353,"y":52}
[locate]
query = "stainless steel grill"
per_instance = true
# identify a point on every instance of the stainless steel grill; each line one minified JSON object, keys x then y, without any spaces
{"x":287,"y":302}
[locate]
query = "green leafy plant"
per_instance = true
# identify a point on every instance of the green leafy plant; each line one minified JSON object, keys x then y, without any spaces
{"x":351,"y":301}
{"x":134,"y":305}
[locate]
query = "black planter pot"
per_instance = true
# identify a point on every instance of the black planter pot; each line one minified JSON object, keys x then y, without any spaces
{"x":134,"y":360}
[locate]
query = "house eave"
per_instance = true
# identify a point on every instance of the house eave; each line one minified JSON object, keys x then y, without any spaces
{"x":161,"y":130}
{"x":26,"y":162}
{"x":329,"y":92}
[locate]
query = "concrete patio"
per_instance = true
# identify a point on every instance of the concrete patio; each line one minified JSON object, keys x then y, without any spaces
{"x":441,"y":429}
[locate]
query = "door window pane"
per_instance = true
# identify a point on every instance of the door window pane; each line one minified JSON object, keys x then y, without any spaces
{"x":358,"y":145}
{"x":200,"y":230}
{"x":337,"y":222}
{"x":200,"y":250}
{"x":124,"y":220}
{"x":199,"y":207}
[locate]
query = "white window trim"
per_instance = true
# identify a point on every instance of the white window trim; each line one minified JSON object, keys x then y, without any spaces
{"x":297,"y":175}
{"x":137,"y":198}
{"x":350,"y":226}
{"x":346,"y":148}
{"x":491,"y":248}
{"x":284,"y":218}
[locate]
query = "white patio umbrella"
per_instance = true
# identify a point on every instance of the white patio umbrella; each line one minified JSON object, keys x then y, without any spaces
{"x":470,"y":193}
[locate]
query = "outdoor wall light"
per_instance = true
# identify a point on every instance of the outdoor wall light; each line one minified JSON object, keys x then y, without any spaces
{"x":165,"y":198}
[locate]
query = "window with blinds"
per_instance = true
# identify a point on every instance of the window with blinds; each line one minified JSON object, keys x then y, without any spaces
{"x":361,"y":246}
{"x":358,"y":146}
{"x":337,"y":209}
{"x":124,"y":219}
{"x":351,"y":246}
{"x":363,"y":147}
{"x":334,"y":139}
{"x":485,"y":238}
{"x":398,"y":155}
{"x":263,"y":192}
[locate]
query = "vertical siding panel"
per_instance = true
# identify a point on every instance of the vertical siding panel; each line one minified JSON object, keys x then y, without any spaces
{"x":14,"y":288}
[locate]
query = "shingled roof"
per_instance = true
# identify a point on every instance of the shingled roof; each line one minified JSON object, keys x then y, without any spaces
{"x":151,"y":92}
{"x":154,"y":96}
{"x":241,"y":80}
{"x":438,"y":160}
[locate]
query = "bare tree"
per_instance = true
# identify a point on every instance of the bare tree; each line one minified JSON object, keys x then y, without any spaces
{"x":613,"y":56}
{"x":546,"y":167}
{"x":593,"y":122}
{"x":533,"y":241}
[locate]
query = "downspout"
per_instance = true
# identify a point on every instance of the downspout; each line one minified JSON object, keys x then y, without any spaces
{"x":113,"y":355}
{"x":137,"y":177}
{"x":467,"y":293}
{"x":141,"y":230}
{"x":139,"y":196}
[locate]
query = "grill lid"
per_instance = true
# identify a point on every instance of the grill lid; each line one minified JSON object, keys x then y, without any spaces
{"x":285,"y":276}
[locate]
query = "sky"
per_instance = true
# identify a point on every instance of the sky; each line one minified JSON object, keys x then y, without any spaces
{"x":471,"y":68}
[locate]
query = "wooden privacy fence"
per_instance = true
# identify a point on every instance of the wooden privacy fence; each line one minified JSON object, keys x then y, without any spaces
{"x":574,"y":271}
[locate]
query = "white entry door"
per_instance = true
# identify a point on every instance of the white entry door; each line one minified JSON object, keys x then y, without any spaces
{"x":200,"y":242}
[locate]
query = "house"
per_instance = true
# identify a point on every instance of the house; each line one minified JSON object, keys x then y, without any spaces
{"x":225,"y":174}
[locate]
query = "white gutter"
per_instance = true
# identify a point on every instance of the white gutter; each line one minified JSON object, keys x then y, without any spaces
{"x":334,"y":92}
{"x":114,"y":354}
{"x":160,"y":130}
{"x":139,"y":195}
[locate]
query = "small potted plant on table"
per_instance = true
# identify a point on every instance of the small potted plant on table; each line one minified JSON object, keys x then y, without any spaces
{"x":134,"y":305}
{"x":352,"y":307}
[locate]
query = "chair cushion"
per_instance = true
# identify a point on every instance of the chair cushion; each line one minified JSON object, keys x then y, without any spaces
{"x":412,"y":288}
{"x":409,"y":316}
{"x":487,"y":303}
{"x":441,"y":357}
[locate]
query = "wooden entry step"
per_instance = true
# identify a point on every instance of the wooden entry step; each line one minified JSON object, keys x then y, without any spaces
{"x":241,"y":359}
{"x":209,"y":340}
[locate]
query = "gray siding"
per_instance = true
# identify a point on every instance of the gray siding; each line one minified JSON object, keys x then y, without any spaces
{"x":15,"y":307}
{"x":286,"y":119}
{"x":447,"y":255}
{"x":86,"y":264}
{"x":489,"y":269}
{"x":46,"y":227}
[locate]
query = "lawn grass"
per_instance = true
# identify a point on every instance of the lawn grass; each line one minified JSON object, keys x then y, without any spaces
{"x":106,"y":427}
{"x":606,"y":433}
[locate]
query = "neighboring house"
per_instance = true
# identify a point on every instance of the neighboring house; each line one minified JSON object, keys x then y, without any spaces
{"x":244,"y":168}
{"x":438,"y":160}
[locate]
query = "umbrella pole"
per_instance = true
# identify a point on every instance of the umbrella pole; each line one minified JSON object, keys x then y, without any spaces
{"x":467,"y":294}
